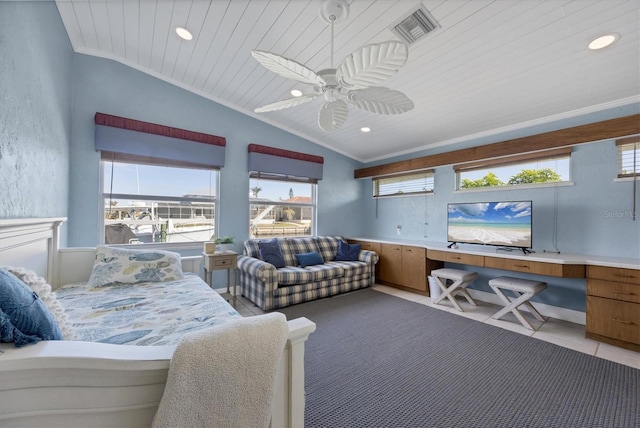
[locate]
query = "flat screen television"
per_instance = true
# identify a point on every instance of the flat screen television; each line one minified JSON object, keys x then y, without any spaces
{"x":503,"y":224}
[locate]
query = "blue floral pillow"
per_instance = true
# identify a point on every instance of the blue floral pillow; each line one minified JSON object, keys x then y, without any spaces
{"x":118,"y":265}
{"x":24,"y":318}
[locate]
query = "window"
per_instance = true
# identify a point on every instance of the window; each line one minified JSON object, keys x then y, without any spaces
{"x":549,"y":166}
{"x":281,"y":206}
{"x":158,"y":203}
{"x":159,"y":182}
{"x":628,"y":157}
{"x":416,"y":183}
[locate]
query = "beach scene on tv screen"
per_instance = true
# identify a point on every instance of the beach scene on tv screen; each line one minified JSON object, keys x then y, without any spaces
{"x":490,"y":223}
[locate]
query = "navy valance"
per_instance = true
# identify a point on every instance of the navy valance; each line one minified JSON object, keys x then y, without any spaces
{"x":270,"y":160}
{"x":124,"y":139}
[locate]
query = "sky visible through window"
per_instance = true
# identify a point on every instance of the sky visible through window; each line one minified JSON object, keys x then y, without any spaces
{"x":279,"y":190}
{"x":168,"y":181}
{"x":158,"y":180}
{"x":504,"y":173}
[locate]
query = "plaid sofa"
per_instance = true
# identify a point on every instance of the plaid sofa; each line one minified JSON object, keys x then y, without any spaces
{"x":270,"y":288}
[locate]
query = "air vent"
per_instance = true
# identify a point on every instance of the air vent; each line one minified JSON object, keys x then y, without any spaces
{"x":415,"y":26}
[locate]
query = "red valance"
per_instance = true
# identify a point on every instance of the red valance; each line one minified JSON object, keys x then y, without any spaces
{"x":153,"y":128}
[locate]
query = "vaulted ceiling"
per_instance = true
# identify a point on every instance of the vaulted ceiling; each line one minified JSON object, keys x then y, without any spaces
{"x":491,"y":66}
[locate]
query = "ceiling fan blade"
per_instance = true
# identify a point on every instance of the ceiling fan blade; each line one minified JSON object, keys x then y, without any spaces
{"x":332,"y":115}
{"x":287,"y":68}
{"x":372,"y":64}
{"x":380,"y":100}
{"x":291,"y":102}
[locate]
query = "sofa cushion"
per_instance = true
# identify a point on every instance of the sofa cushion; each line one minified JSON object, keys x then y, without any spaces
{"x":270,"y":252}
{"x":251,"y":248}
{"x":326,"y":271}
{"x":293,"y":275}
{"x":328,"y":246}
{"x":299,"y":246}
{"x":347,"y":252}
{"x":352,"y":268}
{"x":309,"y":259}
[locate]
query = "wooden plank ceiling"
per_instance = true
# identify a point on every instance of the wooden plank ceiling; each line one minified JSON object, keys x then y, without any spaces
{"x":492,"y":65}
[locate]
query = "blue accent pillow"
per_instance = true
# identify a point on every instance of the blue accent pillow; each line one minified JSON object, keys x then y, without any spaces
{"x":309,"y":259}
{"x":270,"y":252}
{"x":347,"y":252}
{"x":24,"y":312}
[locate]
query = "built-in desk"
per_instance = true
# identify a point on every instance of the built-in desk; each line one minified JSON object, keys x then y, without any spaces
{"x":565,"y":268}
{"x":612,"y":292}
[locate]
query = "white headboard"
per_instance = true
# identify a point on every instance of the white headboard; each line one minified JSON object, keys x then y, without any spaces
{"x":31,"y":243}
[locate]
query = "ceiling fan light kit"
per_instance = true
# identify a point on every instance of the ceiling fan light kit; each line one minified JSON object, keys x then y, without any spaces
{"x":355,"y":81}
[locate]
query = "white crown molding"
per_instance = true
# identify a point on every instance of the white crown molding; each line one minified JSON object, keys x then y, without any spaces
{"x":530,"y":123}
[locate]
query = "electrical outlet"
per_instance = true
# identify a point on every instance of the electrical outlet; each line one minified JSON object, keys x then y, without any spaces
{"x":399,"y":230}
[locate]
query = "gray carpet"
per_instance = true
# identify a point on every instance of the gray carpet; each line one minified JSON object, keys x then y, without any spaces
{"x":380,"y":361}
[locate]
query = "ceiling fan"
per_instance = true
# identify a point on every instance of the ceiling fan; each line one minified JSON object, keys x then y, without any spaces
{"x":353,"y":81}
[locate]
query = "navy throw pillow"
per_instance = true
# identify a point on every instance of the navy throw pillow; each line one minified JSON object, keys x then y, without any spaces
{"x":309,"y":259}
{"x":347,"y":252}
{"x":25,"y":311}
{"x":270,"y":252}
{"x":9,"y":333}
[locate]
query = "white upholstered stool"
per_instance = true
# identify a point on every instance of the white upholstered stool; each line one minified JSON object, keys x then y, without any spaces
{"x":524,"y":290}
{"x":460,"y":280}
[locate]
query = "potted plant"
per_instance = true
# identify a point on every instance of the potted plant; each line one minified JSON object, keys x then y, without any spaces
{"x":220,"y":243}
{"x":223,"y":242}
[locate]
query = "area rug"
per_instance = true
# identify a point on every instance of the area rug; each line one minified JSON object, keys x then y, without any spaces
{"x":377,"y":360}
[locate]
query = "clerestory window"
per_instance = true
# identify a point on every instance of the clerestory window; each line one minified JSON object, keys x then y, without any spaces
{"x":549,"y":166}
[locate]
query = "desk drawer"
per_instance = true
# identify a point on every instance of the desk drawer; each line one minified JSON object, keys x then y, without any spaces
{"x":614,"y":319}
{"x":539,"y":268}
{"x":465,"y":259}
{"x":614,"y":290}
{"x":630,"y":276}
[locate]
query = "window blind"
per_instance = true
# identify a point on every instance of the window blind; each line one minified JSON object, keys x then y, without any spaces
{"x":562,"y":152}
{"x":628,"y":157}
{"x":280,"y":163}
{"x":404,"y":184}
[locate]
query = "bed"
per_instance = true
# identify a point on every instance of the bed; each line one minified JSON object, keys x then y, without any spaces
{"x":106,"y":378}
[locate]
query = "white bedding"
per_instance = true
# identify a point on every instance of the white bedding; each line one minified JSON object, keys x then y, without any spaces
{"x":149,"y":313}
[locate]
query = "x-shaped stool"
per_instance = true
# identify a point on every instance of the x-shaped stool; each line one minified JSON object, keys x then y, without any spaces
{"x":461,"y":279}
{"x":523,"y":289}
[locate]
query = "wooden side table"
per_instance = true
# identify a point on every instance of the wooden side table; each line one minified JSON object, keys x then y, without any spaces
{"x":226,"y":260}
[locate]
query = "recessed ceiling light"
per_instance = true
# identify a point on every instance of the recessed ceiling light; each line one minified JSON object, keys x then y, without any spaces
{"x":296,"y":92}
{"x":365,"y":129}
{"x":603,"y":41}
{"x":184,"y":33}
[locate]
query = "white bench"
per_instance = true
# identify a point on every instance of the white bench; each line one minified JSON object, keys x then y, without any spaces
{"x":460,"y":280}
{"x":523,"y":289}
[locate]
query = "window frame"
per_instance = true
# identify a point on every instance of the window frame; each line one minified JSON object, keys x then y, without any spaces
{"x":426,"y":174}
{"x":632,"y":143}
{"x":107,"y":158}
{"x":514,"y":160}
{"x":286,"y":179}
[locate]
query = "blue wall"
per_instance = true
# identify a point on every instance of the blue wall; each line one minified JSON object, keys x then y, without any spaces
{"x":48,"y":166}
{"x":591,"y":217}
{"x":35,"y":120}
{"x":109,"y":87}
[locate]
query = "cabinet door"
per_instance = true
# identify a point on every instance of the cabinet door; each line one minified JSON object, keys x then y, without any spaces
{"x":414,"y":273}
{"x":390,"y":264}
{"x":613,"y":318}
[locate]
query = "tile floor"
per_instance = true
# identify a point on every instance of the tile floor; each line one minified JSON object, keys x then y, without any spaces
{"x":562,"y":333}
